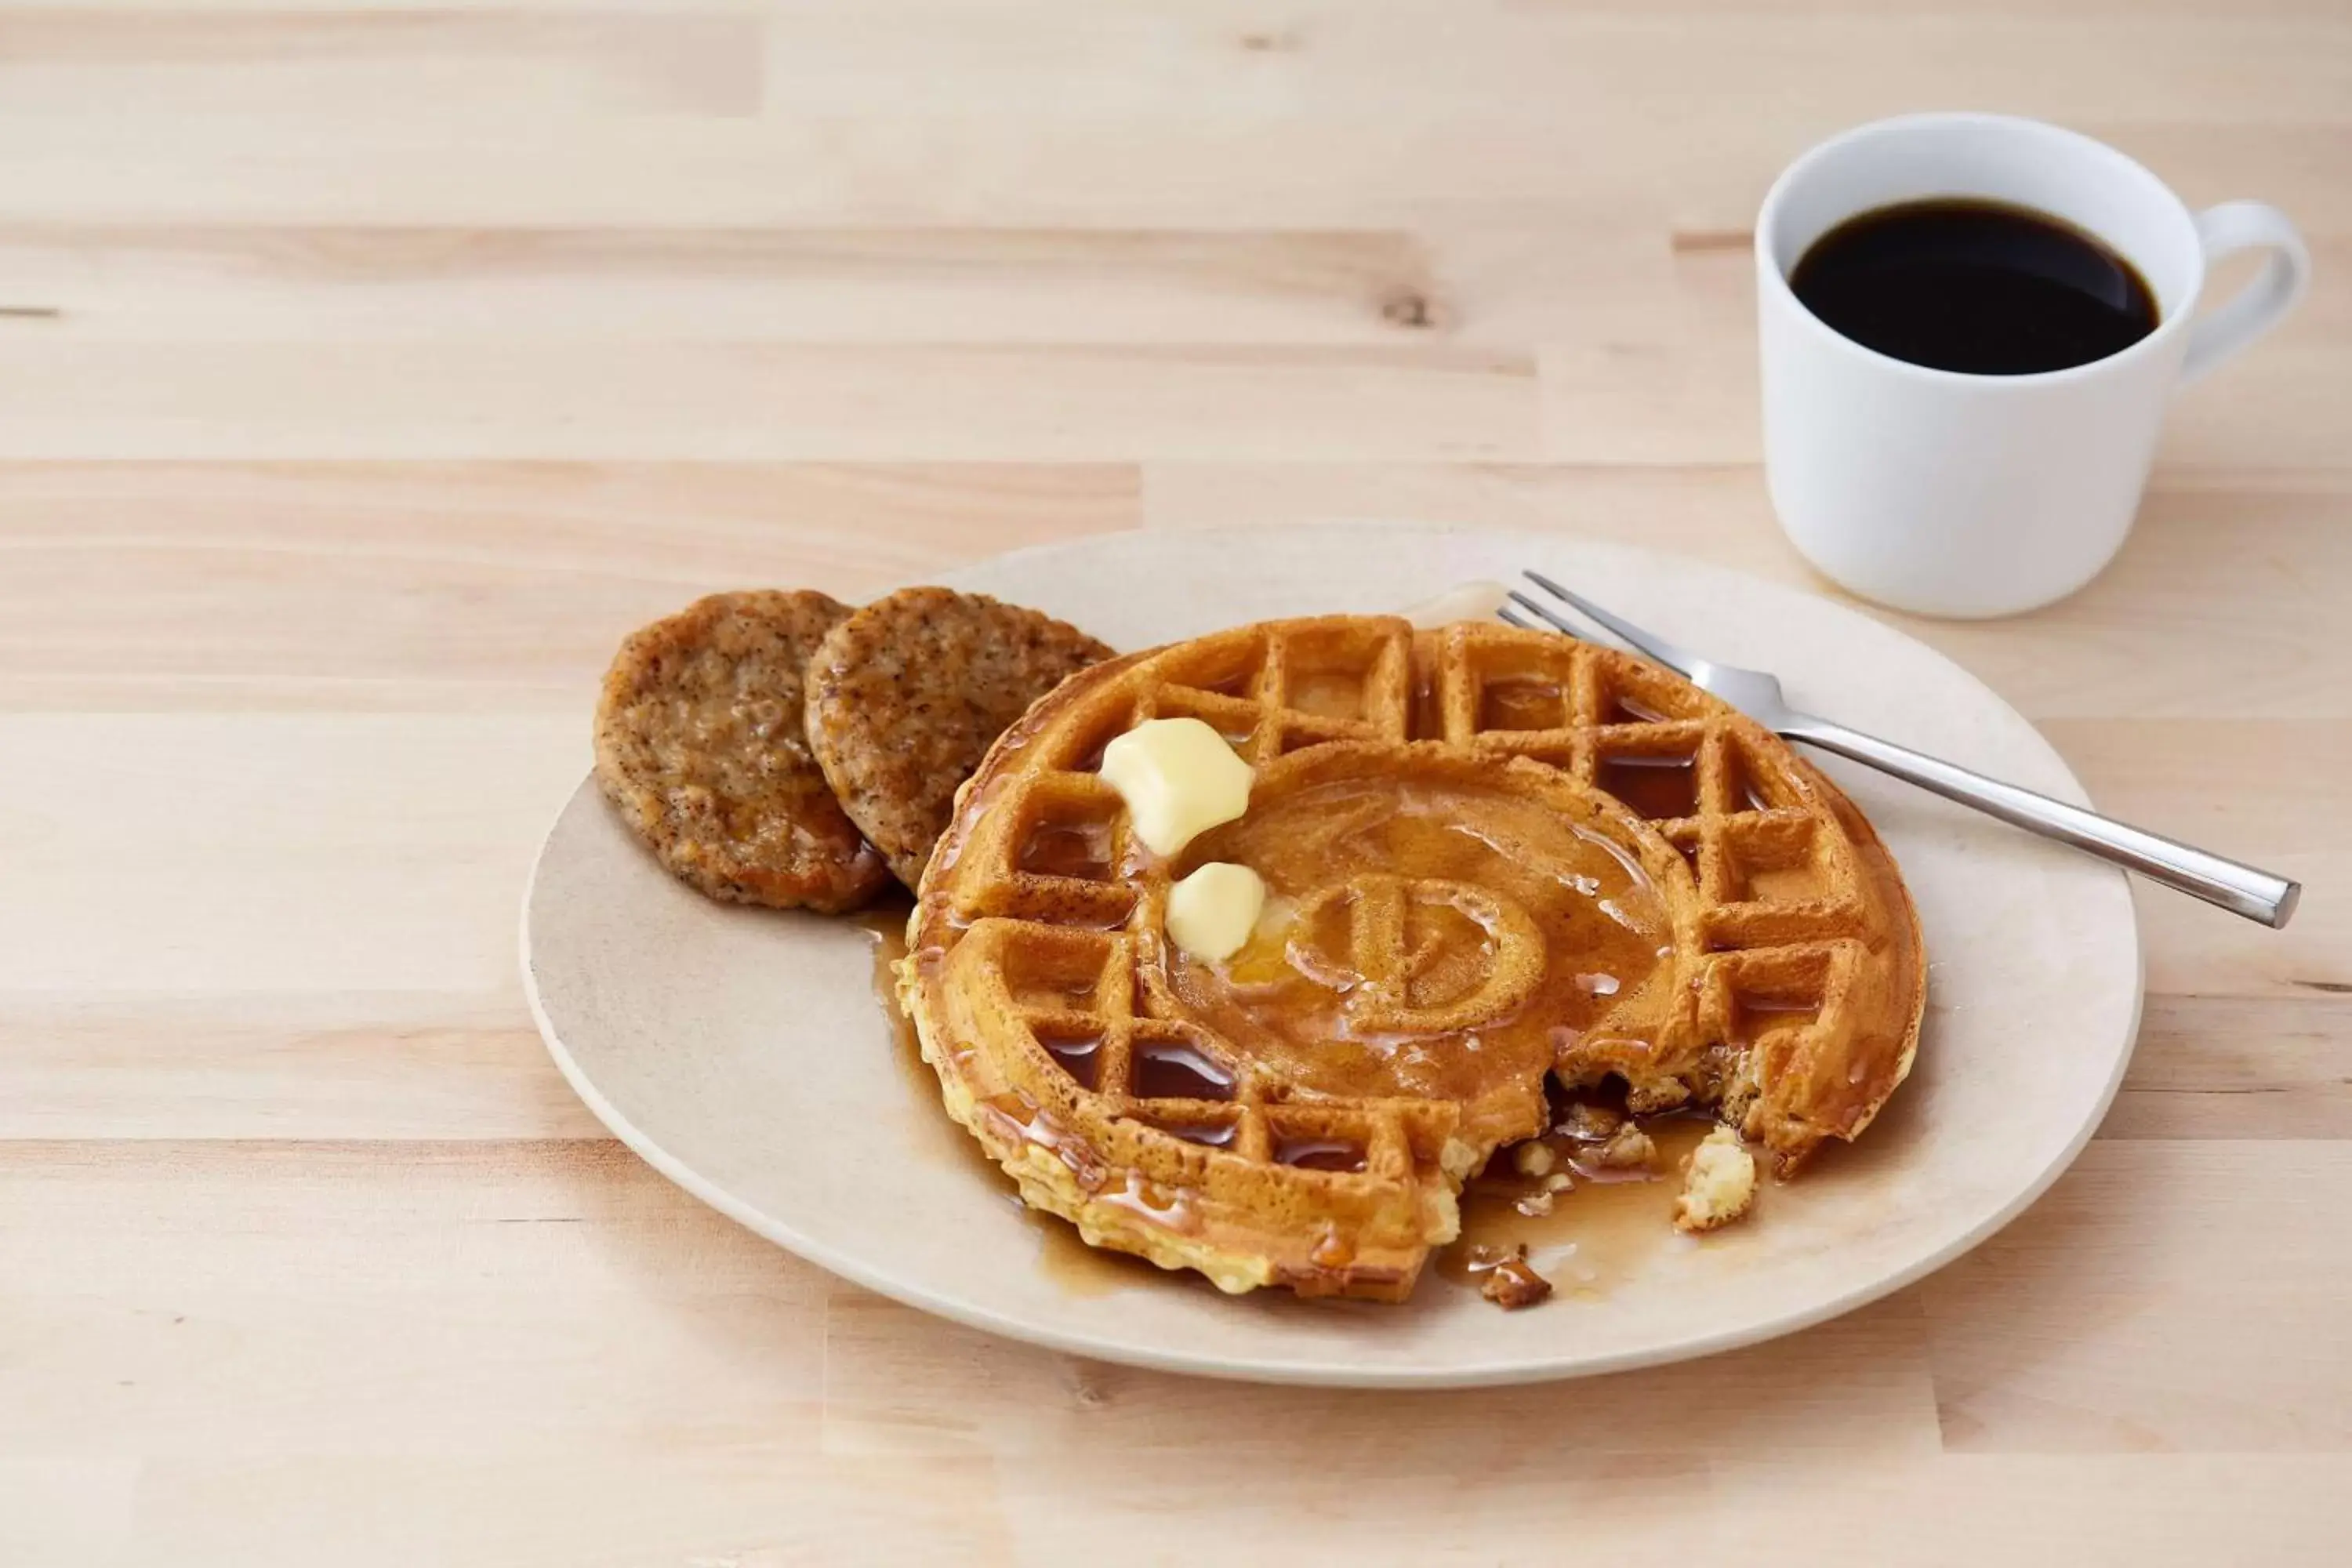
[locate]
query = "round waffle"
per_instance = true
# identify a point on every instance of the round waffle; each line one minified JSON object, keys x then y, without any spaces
{"x":1492,"y":856}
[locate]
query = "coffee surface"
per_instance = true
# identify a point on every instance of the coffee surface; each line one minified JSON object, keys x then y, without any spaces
{"x":1979,"y":286}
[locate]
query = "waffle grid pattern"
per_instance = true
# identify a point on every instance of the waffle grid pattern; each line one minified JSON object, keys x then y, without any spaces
{"x":1040,"y":877}
{"x":1074,"y":992}
{"x":1778,"y":889}
{"x":1779,"y":883}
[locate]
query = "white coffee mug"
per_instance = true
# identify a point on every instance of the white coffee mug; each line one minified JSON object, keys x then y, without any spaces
{"x":1956,"y":494}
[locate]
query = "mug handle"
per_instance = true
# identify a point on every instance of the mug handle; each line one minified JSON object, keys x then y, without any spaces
{"x":2240,"y":225}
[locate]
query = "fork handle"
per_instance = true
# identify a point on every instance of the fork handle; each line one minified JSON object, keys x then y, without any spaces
{"x":2240,"y":889}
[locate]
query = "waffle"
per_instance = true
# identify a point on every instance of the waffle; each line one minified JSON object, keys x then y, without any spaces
{"x":1493,"y":855}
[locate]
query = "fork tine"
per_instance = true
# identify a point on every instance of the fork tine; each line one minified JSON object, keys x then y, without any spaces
{"x":1655,"y":646}
{"x":1543,"y":613}
{"x":1505,"y":614}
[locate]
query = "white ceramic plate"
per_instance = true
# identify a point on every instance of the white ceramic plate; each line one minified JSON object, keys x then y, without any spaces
{"x":741,"y":1052}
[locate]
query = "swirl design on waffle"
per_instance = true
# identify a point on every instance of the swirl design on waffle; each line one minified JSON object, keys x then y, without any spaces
{"x":1392,"y":978}
{"x":1494,"y":856}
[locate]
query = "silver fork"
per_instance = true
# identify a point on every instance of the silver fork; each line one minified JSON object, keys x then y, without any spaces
{"x":2240,"y":889}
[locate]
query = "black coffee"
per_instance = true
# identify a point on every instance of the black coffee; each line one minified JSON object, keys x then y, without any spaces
{"x":1974,"y":286}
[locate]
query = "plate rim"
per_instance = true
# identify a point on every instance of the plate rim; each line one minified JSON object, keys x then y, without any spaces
{"x":1291,"y":1370}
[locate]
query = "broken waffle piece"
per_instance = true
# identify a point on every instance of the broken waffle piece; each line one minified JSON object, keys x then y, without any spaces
{"x":1718,"y":1185}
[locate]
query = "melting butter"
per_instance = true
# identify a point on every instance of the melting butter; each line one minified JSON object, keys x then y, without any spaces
{"x":1211,"y":912}
{"x":1179,"y":778}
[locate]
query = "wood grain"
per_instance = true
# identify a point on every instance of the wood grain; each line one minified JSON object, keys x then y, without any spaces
{"x":365,"y":371}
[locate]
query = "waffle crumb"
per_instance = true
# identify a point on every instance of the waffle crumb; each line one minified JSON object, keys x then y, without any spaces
{"x":1719,"y":1185}
{"x":1590,"y":1123}
{"x":1532,"y":1158}
{"x":1627,"y":1148}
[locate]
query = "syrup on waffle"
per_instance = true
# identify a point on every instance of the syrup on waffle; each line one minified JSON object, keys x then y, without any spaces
{"x":1492,"y":856}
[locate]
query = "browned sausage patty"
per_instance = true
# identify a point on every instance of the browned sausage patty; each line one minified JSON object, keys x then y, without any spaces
{"x":905,"y":695}
{"x":699,"y":743}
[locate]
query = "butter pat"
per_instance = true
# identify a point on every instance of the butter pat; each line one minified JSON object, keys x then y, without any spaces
{"x":1179,"y":779}
{"x":1211,"y":912}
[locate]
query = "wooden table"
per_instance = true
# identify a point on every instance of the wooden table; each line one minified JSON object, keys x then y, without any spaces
{"x":363,"y":376}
